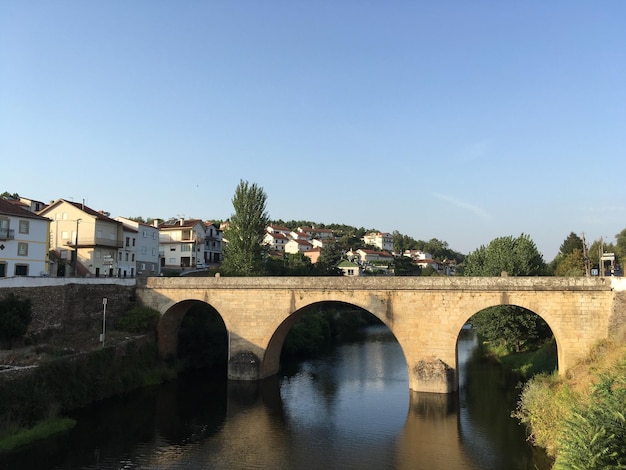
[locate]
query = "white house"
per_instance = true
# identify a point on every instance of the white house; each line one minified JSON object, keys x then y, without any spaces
{"x":23,"y":241}
{"x":146,"y":239}
{"x":349,"y":268}
{"x":276,"y":241}
{"x":381,"y":240}
{"x":298,"y":246}
{"x":182,"y":243}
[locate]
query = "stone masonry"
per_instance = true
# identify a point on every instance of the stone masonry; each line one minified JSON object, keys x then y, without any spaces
{"x":425,"y":314}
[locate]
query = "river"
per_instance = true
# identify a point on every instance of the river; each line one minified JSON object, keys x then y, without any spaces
{"x":349,"y":409}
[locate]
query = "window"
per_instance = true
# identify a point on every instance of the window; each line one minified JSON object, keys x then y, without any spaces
{"x":143,"y":266}
{"x":153,"y":251}
{"x":185,"y":247}
{"x":126,"y":256}
{"x":127,"y":241}
{"x":134,"y":240}
{"x":172,"y":248}
{"x":144,"y":250}
{"x":22,"y":249}
{"x":144,"y":234}
{"x":24,"y":226}
{"x":65,"y":235}
{"x":172,"y":260}
{"x":21,"y":270}
{"x":132,"y":256}
{"x":154,"y":235}
{"x":98,"y":233}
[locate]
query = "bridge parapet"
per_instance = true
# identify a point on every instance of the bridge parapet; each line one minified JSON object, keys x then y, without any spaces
{"x":548,"y":283}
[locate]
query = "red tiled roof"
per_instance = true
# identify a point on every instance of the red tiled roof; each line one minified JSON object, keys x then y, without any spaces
{"x":9,"y":208}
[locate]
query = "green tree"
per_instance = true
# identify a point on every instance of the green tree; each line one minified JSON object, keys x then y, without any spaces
{"x":15,"y":317}
{"x":620,"y":246}
{"x":244,"y":254}
{"x":571,"y":243}
{"x":515,"y":256}
{"x":571,"y":264}
{"x":404,"y":266}
{"x":329,"y":258}
{"x":508,"y":324}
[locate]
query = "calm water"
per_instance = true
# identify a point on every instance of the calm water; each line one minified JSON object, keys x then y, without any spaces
{"x":350,"y":409}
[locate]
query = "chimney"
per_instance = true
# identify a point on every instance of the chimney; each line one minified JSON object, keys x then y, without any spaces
{"x":181,"y":222}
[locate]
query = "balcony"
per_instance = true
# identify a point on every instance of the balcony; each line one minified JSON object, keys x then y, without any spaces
{"x":7,"y":234}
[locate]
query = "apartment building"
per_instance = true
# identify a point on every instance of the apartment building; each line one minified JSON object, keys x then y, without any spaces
{"x":146,"y":246}
{"x":182,"y":243}
{"x":23,"y":241}
{"x":83,"y":242}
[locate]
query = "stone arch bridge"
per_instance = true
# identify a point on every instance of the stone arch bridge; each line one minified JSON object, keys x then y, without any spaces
{"x":425,"y":314}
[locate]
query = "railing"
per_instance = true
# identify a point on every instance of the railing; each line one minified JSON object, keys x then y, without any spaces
{"x":7,"y":234}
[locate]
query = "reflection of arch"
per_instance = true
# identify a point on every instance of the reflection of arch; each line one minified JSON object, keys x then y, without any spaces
{"x":271,"y":360}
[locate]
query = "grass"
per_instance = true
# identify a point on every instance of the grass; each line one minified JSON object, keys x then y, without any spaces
{"x":42,"y":430}
{"x":542,"y":359}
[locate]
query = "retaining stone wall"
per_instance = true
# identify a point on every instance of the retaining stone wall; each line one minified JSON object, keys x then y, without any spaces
{"x":72,"y":307}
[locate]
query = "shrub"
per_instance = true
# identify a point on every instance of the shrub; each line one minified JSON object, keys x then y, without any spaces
{"x":15,"y":316}
{"x":544,"y":404}
{"x":139,"y":320}
{"x":594,"y":437}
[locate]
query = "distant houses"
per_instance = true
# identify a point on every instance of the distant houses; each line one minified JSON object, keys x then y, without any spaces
{"x":66,"y":238}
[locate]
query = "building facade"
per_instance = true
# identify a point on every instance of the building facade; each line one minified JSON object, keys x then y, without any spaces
{"x":83,"y":242}
{"x":23,"y":241}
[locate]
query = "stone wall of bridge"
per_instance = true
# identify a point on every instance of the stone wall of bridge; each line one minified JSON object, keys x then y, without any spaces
{"x":425,"y":314}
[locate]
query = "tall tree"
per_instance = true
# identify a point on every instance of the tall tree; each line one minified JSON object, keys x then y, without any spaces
{"x":329,"y":258}
{"x":515,"y":256}
{"x":244,"y":254}
{"x":571,"y":243}
{"x":508,"y":324}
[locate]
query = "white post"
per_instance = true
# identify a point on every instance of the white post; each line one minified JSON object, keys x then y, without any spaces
{"x":104,"y":320}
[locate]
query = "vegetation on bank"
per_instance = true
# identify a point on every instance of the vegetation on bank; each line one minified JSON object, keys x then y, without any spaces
{"x":16,"y":436}
{"x":580,"y":419}
{"x":33,"y":403}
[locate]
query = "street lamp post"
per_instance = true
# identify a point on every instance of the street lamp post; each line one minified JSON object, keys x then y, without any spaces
{"x":76,"y":250}
{"x":104,"y":320}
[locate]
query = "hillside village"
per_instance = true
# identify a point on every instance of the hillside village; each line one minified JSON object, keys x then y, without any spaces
{"x":69,"y":239}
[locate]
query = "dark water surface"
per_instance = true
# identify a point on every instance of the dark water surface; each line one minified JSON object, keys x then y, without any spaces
{"x":350,"y":409}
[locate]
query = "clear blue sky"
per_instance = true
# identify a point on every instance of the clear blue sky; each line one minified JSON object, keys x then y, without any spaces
{"x":462,"y":121}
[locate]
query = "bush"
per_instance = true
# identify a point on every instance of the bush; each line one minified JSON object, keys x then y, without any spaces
{"x":15,"y":316}
{"x":594,"y":437}
{"x":544,"y":404}
{"x":139,"y":320}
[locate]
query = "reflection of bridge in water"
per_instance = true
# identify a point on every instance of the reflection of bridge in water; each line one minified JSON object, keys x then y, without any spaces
{"x":424,"y":314}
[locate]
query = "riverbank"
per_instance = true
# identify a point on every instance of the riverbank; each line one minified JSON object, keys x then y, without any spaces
{"x":579,"y":417}
{"x":40,"y":384}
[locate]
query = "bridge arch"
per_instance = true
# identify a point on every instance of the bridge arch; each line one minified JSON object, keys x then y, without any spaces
{"x":424,"y":314}
{"x":169,"y":326}
{"x":271,"y":361}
